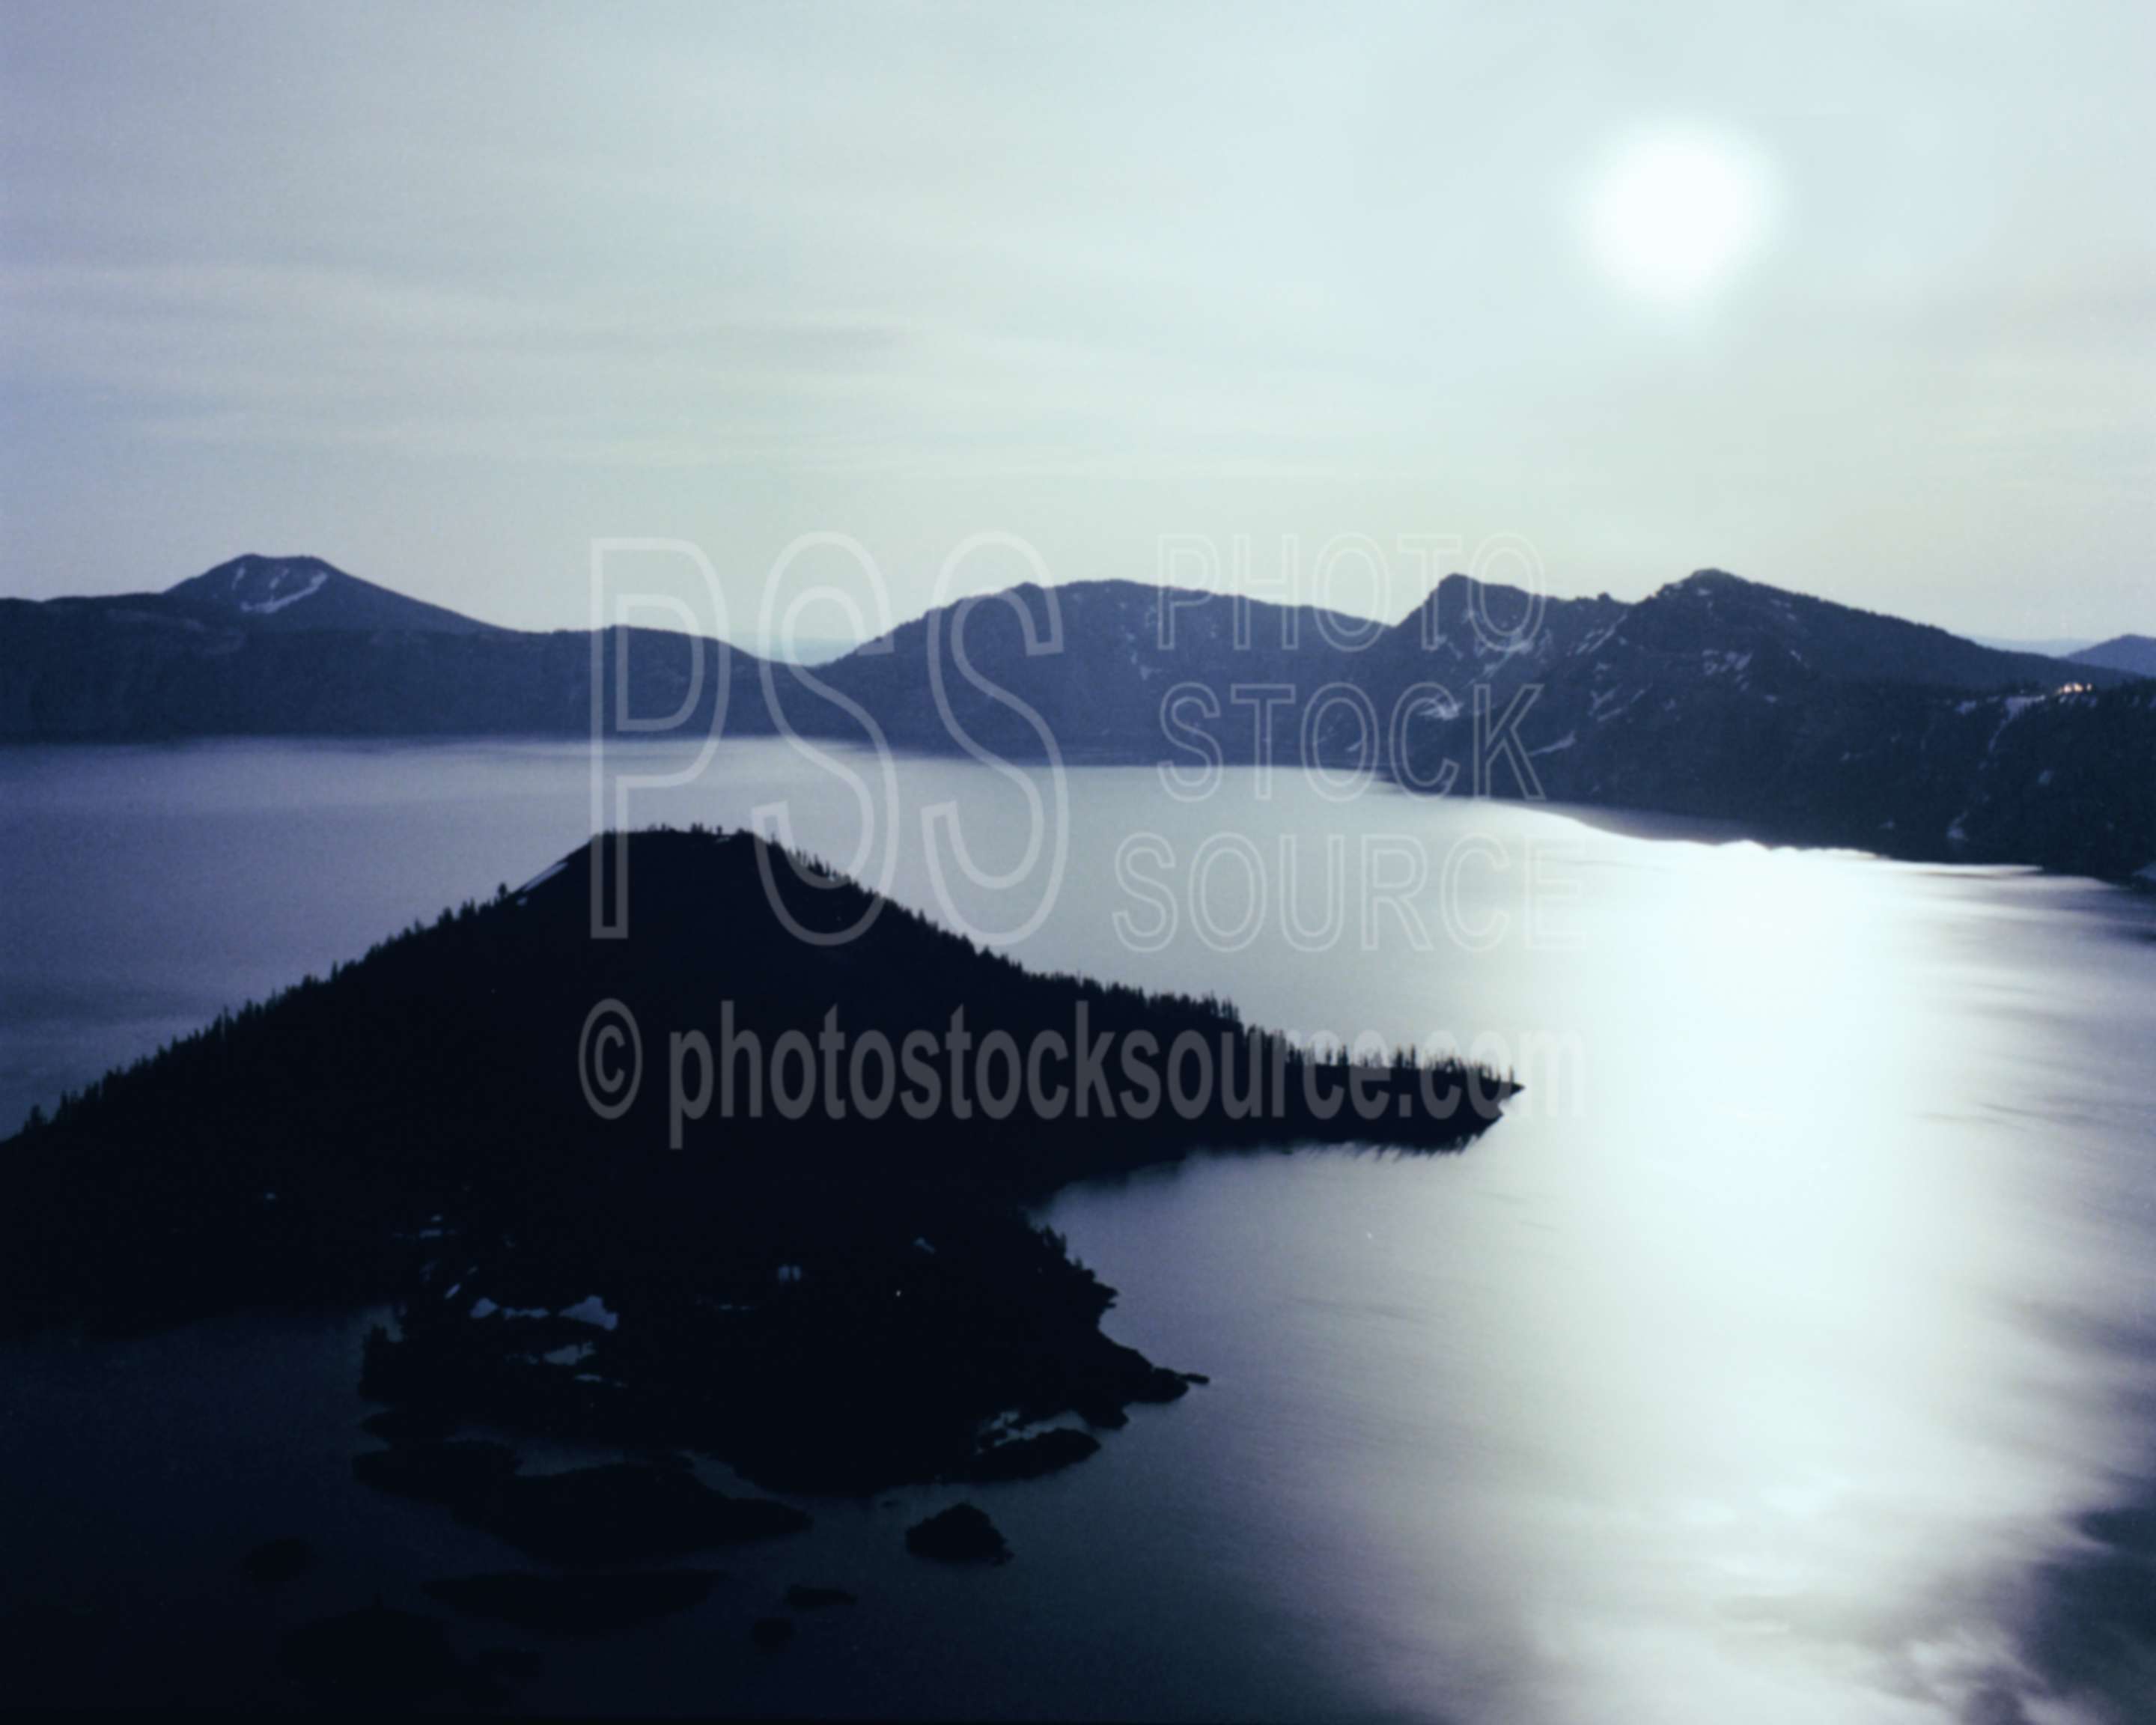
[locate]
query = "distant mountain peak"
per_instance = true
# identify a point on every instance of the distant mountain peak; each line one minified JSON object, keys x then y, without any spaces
{"x":1713,"y":584}
{"x":308,"y":592}
{"x":261,"y":586}
{"x":1711,"y":609}
{"x":2135,"y":655}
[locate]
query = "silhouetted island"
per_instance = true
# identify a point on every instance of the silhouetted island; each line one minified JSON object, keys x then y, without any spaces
{"x":825,"y":1302}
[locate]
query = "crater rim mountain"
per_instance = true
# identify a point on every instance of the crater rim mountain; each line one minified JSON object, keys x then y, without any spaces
{"x":1798,"y":719}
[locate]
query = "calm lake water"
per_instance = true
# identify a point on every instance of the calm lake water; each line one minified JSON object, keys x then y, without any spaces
{"x":1765,"y":1364}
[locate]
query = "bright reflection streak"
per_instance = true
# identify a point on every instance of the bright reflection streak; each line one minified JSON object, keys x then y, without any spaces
{"x":1754,"y":1391}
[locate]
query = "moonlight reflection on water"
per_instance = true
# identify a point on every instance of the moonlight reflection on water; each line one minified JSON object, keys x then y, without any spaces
{"x":1786,"y":1353}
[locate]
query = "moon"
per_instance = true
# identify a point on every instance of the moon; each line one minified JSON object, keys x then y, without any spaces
{"x":1674,"y":214}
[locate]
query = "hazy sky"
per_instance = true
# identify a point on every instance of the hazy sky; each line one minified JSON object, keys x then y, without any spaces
{"x":1861,"y":301}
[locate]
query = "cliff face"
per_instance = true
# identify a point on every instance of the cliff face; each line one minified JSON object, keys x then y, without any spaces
{"x":1714,"y":696}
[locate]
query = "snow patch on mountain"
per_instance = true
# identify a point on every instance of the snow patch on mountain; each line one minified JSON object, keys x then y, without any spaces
{"x":279,"y":599}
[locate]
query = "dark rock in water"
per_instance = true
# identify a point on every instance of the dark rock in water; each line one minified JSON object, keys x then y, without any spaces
{"x":627,"y":1514}
{"x":1027,"y":1458}
{"x":960,"y":1534}
{"x":771,"y":1631}
{"x":373,"y":1658}
{"x":564,"y":1605}
{"x":1198,"y":1377}
{"x":1112,"y":1376}
{"x":802,"y":1597}
{"x":462,"y":1472}
{"x":1103,"y":1416}
{"x":277,"y":1562}
{"x":1149,"y":1383}
{"x":402,"y":1426}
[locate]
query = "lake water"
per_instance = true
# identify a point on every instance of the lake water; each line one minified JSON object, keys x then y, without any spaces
{"x":1763,"y":1364}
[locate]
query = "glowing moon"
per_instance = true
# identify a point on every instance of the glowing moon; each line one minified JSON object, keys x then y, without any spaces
{"x":1674,"y":214}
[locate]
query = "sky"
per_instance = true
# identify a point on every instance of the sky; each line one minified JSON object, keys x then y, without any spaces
{"x":1858,"y":300}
